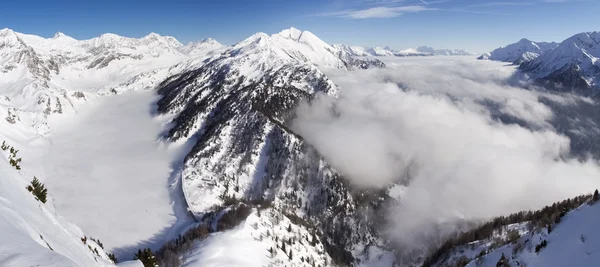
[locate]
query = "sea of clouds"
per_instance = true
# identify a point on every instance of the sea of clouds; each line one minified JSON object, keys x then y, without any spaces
{"x":464,"y":136}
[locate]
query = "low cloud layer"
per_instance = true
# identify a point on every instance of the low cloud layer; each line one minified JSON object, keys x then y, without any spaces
{"x":464,"y":137}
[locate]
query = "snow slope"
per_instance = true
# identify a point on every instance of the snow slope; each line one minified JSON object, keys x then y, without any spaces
{"x":32,"y":233}
{"x":251,"y":242}
{"x":515,"y":53}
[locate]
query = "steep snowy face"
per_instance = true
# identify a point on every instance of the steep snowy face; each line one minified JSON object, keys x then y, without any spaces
{"x":524,"y":49}
{"x":573,"y":65}
{"x":234,"y":108}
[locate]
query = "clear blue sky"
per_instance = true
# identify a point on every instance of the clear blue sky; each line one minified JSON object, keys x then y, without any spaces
{"x":476,"y":25}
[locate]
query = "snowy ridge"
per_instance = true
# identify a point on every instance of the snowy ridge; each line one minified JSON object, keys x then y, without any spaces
{"x":571,"y":242}
{"x":574,"y":64}
{"x":234,"y":108}
{"x":388,"y":51}
{"x":521,"y":51}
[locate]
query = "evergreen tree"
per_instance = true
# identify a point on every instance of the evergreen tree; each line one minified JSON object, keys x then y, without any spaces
{"x":595,"y":197}
{"x":112,"y":257}
{"x":38,"y":190}
{"x":502,"y":262}
{"x":146,"y":257}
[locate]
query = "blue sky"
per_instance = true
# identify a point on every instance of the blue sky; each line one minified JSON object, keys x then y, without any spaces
{"x":476,"y":25}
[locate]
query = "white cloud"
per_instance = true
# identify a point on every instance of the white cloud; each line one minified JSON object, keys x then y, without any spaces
{"x":432,"y":123}
{"x":377,"y":12}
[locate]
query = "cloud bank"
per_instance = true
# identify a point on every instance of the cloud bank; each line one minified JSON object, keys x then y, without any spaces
{"x":461,"y":134}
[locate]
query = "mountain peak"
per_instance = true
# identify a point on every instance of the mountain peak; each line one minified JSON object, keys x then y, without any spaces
{"x":525,"y":40}
{"x":58,"y":35}
{"x":291,"y":33}
{"x":6,"y":31}
{"x":109,"y":36}
{"x":152,"y":35}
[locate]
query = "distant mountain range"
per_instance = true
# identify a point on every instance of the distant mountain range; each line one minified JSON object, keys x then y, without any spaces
{"x":523,"y":50}
{"x":388,"y":51}
{"x":572,"y":65}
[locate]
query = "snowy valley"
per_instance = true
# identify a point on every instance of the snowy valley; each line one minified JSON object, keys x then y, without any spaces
{"x":283,"y":150}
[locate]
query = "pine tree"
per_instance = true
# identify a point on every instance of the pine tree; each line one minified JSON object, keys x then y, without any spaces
{"x":146,"y":257}
{"x":290,"y":254}
{"x":38,"y":190}
{"x":289,"y":229}
{"x":502,"y":262}
{"x":112,"y":257}
{"x":313,"y":242}
{"x":283,"y":246}
{"x":595,"y":197}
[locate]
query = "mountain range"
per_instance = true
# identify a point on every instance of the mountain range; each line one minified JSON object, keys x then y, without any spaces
{"x":387,"y":51}
{"x":571,"y":65}
{"x":231,"y":102}
{"x":247,"y":177}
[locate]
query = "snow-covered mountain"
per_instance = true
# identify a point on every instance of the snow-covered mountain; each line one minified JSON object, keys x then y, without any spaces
{"x":41,"y":76}
{"x":202,"y":47}
{"x":519,"y":52}
{"x":235,"y":108}
{"x":573,"y":65}
{"x":231,"y":102}
{"x":253,"y":186}
{"x":443,"y":52}
{"x":388,"y":51}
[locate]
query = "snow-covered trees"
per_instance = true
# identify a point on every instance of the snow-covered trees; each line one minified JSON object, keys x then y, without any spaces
{"x":38,"y":190}
{"x":12,"y":157}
